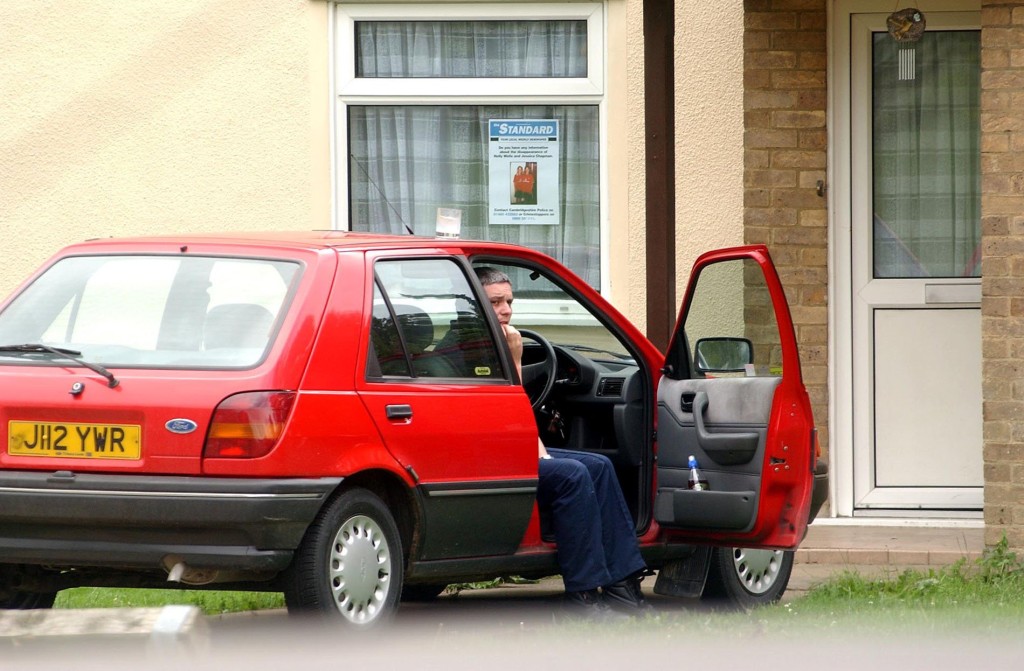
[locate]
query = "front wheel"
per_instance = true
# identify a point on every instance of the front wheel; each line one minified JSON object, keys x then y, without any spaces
{"x":349,"y":564}
{"x":746,"y":578}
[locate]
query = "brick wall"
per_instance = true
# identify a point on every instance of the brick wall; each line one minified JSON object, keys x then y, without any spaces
{"x":1002,"y":309}
{"x":784,"y":159}
{"x":785,"y":156}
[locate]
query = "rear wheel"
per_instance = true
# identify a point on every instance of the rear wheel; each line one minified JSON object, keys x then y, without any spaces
{"x":349,"y":564}
{"x":746,"y":578}
{"x":13,"y":596}
{"x":14,"y":600}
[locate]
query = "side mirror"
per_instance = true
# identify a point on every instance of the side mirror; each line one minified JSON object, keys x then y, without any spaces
{"x":723,"y":355}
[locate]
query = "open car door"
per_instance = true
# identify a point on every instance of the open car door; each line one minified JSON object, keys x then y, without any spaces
{"x":732,"y":396}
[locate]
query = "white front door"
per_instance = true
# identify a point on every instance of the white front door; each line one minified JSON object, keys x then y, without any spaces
{"x":908,"y":232}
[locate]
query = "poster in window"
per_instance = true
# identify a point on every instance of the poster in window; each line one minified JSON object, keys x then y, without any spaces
{"x":523,"y":171}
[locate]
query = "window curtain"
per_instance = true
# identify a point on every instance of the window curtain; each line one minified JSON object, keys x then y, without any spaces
{"x":926,"y":140}
{"x":406,"y":161}
{"x":471,"y":49}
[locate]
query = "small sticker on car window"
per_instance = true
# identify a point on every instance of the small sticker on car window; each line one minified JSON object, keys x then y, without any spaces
{"x":482,"y":371}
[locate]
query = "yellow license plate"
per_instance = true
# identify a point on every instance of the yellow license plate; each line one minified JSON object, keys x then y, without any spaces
{"x":82,"y":441}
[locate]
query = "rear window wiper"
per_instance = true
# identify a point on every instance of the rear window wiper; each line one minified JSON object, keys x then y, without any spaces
{"x":64,"y":353}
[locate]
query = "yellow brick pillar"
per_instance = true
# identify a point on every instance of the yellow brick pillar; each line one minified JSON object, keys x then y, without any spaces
{"x":1002,"y":308}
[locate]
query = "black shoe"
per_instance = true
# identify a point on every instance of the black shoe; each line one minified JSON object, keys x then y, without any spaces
{"x":589,"y":599}
{"x":625,"y":595}
{"x":589,"y":604}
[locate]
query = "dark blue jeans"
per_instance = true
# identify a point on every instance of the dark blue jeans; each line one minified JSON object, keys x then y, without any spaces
{"x":593,"y":529}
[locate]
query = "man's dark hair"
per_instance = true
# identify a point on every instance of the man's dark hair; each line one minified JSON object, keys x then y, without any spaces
{"x":488,"y":275}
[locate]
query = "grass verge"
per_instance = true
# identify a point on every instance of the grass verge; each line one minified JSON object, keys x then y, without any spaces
{"x":211,"y":602}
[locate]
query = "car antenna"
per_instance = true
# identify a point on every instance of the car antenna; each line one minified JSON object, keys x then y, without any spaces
{"x":382,"y":194}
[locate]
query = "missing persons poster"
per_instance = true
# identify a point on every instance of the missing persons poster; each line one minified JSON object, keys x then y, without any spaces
{"x":523,"y":171}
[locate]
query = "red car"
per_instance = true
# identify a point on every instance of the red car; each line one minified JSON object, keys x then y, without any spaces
{"x":334,"y":415}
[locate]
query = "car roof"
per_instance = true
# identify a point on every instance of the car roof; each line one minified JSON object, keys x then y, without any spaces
{"x":308,"y":240}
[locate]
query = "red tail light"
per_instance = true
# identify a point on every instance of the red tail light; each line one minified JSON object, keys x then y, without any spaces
{"x":246,"y":426}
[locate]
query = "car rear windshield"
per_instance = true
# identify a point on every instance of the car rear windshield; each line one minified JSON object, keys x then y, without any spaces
{"x":150,"y":311}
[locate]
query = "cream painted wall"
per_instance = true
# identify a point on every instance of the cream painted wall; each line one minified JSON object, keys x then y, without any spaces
{"x":709,"y":142}
{"x":141,"y":117}
{"x":631,"y":270}
{"x":625,"y":153}
{"x":709,"y":130}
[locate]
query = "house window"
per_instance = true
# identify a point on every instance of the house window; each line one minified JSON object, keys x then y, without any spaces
{"x":418,"y":87}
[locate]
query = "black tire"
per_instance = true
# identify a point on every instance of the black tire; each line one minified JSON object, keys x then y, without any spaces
{"x":12,"y":598}
{"x":328,"y":575}
{"x":423,"y":592}
{"x":26,"y":600}
{"x":744,"y":578}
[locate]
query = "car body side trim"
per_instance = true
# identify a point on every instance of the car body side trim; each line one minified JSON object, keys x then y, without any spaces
{"x":482,"y":492}
{"x":476,"y":488}
{"x":158,"y":494}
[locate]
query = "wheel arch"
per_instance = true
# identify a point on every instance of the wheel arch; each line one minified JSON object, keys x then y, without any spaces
{"x":399,"y":499}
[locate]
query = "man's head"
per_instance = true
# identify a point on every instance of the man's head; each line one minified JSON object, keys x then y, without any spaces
{"x":499,"y":291}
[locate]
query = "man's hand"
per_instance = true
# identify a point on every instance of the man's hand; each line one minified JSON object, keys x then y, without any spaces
{"x":515,"y":342}
{"x":515,"y":346}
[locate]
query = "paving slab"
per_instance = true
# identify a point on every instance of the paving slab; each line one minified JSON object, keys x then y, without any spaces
{"x":898,"y":543}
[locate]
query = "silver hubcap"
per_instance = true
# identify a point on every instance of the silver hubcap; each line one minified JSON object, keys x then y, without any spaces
{"x":360,"y":570}
{"x":757,"y":569}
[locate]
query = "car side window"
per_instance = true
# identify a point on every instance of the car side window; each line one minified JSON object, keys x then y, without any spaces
{"x":730,"y":328}
{"x":427,"y":323}
{"x":543,"y":306}
{"x":387,"y":356}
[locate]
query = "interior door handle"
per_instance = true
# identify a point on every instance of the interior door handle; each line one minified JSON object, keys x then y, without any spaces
{"x":401,"y":411}
{"x":723,"y":448}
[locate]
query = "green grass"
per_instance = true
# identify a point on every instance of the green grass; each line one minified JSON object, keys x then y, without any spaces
{"x":983,"y":597}
{"x":211,"y":602}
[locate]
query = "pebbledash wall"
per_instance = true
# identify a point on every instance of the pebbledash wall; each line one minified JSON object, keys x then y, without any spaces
{"x":137,"y":117}
{"x":202,"y":115}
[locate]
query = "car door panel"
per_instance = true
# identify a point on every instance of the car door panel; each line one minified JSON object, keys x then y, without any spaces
{"x":464,"y":434}
{"x":749,"y":425}
{"x":733,"y":417}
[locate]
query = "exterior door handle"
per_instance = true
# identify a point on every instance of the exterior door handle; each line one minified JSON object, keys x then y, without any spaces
{"x":402,"y":411}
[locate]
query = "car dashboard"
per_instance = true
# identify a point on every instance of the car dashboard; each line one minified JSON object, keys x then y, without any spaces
{"x":596,"y":404}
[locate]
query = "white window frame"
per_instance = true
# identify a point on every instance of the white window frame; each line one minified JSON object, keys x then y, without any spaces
{"x":518,"y":88}
{"x":347,"y":89}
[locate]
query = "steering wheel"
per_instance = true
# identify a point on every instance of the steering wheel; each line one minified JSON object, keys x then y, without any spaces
{"x":545,"y":369}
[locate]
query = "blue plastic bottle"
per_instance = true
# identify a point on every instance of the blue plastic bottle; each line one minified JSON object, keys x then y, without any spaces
{"x":697,"y":480}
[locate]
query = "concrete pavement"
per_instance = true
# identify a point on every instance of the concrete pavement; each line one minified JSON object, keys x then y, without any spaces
{"x":876,"y":547}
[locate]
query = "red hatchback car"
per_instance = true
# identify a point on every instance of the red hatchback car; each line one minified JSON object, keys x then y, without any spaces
{"x":334,"y":415}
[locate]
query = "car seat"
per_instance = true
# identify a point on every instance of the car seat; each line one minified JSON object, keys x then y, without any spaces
{"x":237,"y":325}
